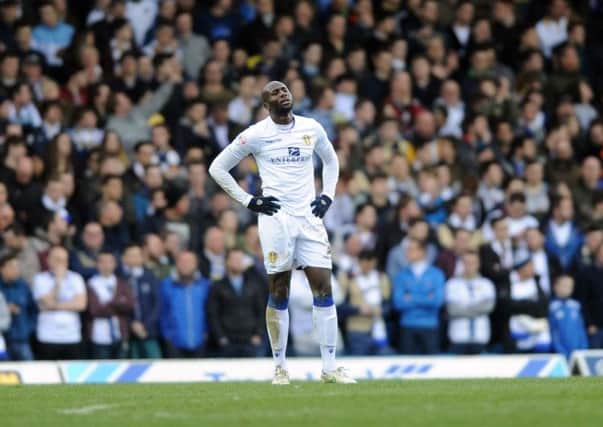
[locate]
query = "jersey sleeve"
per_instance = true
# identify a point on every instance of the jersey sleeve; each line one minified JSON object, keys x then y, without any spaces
{"x":330,"y":164}
{"x":220,"y":168}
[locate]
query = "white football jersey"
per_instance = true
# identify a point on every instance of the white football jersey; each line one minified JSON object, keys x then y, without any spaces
{"x":284,"y":157}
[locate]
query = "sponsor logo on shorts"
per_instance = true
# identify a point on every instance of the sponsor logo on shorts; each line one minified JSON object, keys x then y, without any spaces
{"x":272,"y":257}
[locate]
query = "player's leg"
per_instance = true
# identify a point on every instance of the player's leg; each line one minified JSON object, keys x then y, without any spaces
{"x":324,"y":315}
{"x":276,"y":242}
{"x":277,"y":322}
{"x":313,"y":253}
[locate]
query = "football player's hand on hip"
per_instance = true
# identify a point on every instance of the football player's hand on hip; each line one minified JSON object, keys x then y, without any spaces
{"x":321,"y":205}
{"x":265,"y":205}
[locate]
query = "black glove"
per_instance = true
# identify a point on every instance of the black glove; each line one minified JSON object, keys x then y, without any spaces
{"x":321,"y":205}
{"x":265,"y":205}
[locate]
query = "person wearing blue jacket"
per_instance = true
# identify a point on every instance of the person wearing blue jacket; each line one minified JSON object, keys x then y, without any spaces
{"x":418,"y":295}
{"x":21,"y":306}
{"x":183,"y":319}
{"x":145,"y":287}
{"x":563,"y":239}
{"x":565,"y":319}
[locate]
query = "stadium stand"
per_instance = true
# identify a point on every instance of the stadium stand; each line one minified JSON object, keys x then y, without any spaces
{"x":468,"y":216}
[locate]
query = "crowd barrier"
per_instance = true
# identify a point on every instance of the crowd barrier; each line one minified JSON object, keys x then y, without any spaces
{"x":588,"y":363}
{"x":213,"y":370}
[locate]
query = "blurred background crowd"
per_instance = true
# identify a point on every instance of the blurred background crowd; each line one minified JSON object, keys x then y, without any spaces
{"x":469,"y":211}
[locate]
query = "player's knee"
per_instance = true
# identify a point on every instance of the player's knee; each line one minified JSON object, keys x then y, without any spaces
{"x":323,"y":300}
{"x":278,"y":301}
{"x":278,"y":295}
{"x":323,"y":296}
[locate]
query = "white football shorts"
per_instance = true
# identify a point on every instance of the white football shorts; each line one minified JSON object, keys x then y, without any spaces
{"x":289,"y":242}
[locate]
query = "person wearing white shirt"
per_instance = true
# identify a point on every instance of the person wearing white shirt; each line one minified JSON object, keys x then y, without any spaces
{"x":110,"y":307}
{"x":470,"y":299}
{"x":240,"y":109}
{"x":141,"y":14}
{"x":552,"y":29}
{"x":545,"y":266}
{"x":303,"y":329}
{"x":22,"y":110}
{"x":292,"y":233}
{"x":61,"y":296}
{"x":518,"y":220}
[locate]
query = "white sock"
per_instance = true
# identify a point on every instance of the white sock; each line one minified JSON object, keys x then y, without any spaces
{"x":277,"y":323}
{"x":325,"y":319}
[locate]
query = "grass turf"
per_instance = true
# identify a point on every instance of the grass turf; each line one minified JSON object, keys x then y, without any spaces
{"x":514,"y":403}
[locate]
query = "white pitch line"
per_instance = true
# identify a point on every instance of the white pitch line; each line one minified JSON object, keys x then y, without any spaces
{"x":85,"y":410}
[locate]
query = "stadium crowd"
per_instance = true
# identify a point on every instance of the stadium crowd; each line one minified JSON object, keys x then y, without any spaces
{"x":469,"y":211}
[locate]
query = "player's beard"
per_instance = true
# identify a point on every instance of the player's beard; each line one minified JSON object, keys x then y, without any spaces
{"x":283,"y":111}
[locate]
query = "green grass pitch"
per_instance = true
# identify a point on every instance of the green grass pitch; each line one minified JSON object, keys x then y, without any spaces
{"x":514,"y":403}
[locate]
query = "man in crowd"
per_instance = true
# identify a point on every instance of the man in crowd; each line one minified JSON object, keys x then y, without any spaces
{"x":236,"y":308}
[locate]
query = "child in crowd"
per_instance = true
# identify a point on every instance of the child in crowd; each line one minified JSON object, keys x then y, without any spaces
{"x":565,"y":318}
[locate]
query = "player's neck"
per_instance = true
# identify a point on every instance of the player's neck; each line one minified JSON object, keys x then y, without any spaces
{"x":283,"y":119}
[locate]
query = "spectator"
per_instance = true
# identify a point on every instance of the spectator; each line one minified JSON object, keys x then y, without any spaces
{"x":461,"y":217}
{"x":130,"y":121}
{"x":489,"y":192}
{"x":565,"y":317}
{"x":587,"y":186}
{"x":144,"y":156}
{"x":450,"y":260}
{"x":397,"y":257}
{"x":183,"y":314}
{"x":546,"y":266}
{"x":21,"y":307}
{"x":169,"y":159}
{"x":52,"y":34}
{"x":517,"y":217}
{"x":537,"y":191}
{"x":552,"y":28}
{"x":302,"y":331}
{"x":235,"y":309}
{"x":240,"y":109}
{"x":526,"y":306}
{"x":447,"y":97}
{"x":61,"y":296}
{"x":114,"y":226}
{"x":144,"y":325}
{"x":22,"y":109}
{"x":563,"y":238}
{"x":5,"y":319}
{"x":593,"y":238}
{"x":16,"y":241}
{"x":155,"y":256}
{"x":590,"y":295}
{"x":367,"y":303}
{"x":54,"y":231}
{"x":470,"y":298}
{"x":212,"y":261}
{"x":83,"y":259}
{"x":418,"y":293}
{"x":323,"y":111}
{"x":110,"y":306}
{"x":194,"y":47}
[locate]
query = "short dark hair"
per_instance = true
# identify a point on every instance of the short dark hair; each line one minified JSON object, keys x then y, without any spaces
{"x":517,"y":197}
{"x":367,"y":254}
{"x":422,"y":244}
{"x":6,"y":257}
